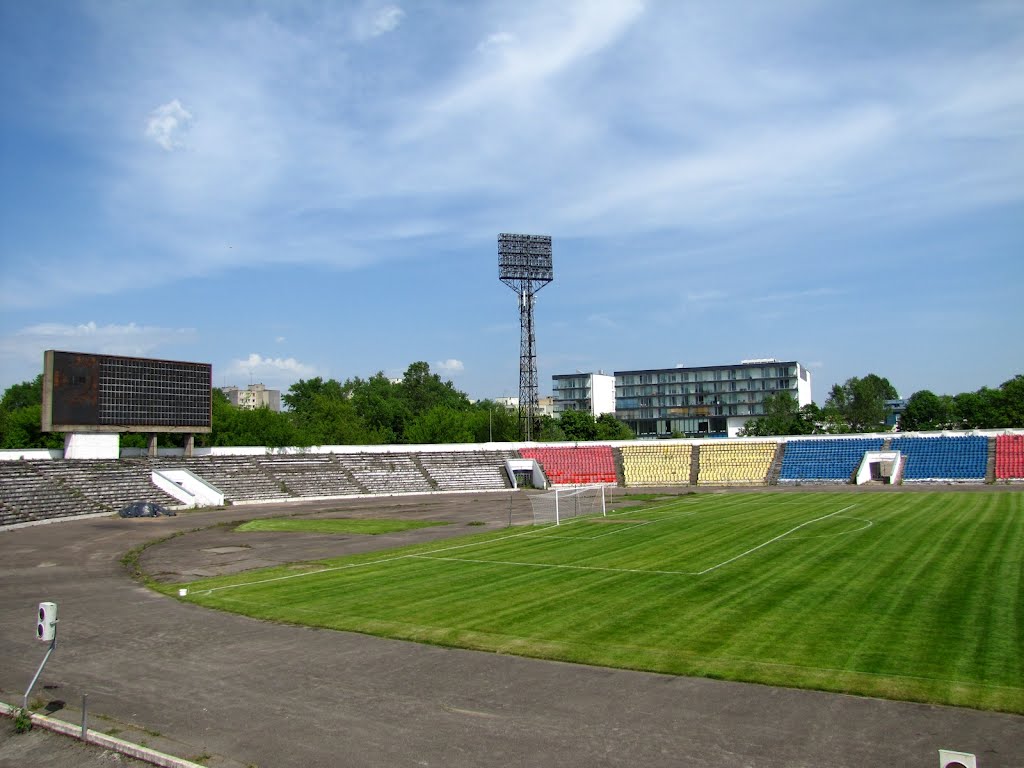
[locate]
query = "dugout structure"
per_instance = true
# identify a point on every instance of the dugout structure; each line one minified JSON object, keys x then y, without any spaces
{"x":92,"y":394}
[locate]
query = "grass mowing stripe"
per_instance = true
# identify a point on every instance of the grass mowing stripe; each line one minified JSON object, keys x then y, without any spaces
{"x":773,"y":540}
{"x":556,"y":565}
{"x":863,"y":611}
{"x":329,"y":569}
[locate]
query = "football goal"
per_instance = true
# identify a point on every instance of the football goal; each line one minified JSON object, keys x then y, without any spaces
{"x":561,"y":504}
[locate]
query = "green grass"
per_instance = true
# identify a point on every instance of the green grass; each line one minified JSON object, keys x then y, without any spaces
{"x":335,"y":525}
{"x":915,"y":596}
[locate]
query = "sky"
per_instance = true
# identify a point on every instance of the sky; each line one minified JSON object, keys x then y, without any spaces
{"x":288,"y":190}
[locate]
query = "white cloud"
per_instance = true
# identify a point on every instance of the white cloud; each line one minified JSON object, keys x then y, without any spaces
{"x":378,"y":21}
{"x":272,"y":369}
{"x":706,"y":296}
{"x":546,"y":41}
{"x":167,"y":123}
{"x":450,"y":366}
{"x":695,"y":140}
{"x":388,"y":19}
{"x":130,"y":339}
{"x":601,"y":320}
{"x":496,"y":41}
{"x":21,"y":353}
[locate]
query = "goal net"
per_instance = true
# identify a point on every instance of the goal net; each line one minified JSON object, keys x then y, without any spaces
{"x":562,"y":504}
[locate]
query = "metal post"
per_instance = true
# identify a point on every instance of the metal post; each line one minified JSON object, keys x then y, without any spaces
{"x":85,"y":717}
{"x":53,"y":645}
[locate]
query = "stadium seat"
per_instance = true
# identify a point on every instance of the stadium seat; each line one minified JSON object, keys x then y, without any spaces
{"x":1009,"y":457}
{"x":824,"y":460}
{"x":578,"y":465}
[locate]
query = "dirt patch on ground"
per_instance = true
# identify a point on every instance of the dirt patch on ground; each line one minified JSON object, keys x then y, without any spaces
{"x":221,"y":549}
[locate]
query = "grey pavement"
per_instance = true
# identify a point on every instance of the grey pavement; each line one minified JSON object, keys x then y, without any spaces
{"x":42,"y":748}
{"x":241,"y":692}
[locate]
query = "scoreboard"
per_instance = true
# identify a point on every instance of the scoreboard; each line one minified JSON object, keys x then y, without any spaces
{"x":107,"y":393}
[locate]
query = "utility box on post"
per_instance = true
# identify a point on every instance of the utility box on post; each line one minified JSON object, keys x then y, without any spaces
{"x":46,"y":628}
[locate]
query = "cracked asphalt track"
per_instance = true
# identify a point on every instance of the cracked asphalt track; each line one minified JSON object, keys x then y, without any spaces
{"x":241,"y":692}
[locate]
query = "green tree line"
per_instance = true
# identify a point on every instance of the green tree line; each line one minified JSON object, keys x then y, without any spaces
{"x":422,"y":408}
{"x":419,"y":408}
{"x":858,"y":406}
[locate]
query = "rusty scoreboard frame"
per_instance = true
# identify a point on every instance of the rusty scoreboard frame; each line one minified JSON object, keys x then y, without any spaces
{"x":85,"y":392}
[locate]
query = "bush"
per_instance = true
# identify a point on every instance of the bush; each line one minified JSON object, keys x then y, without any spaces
{"x":22,"y":721}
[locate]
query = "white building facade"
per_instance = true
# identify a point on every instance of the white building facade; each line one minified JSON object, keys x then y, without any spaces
{"x":705,"y":401}
{"x":590,"y":392}
{"x":254,"y":396}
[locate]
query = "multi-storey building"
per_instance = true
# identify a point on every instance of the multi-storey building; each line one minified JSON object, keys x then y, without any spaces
{"x":591,"y":392}
{"x":253,"y":397}
{"x":707,"y":401}
{"x":544,"y":404}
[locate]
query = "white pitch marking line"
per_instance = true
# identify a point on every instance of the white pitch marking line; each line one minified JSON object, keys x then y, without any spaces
{"x":618,"y":529}
{"x":359,"y":565}
{"x":403,"y":557}
{"x":780,"y":536}
{"x":868,"y":524}
{"x":427,"y":556}
{"x":555,"y":565}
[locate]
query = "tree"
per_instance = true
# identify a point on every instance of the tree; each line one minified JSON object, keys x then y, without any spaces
{"x":926,"y":410}
{"x":578,"y":425}
{"x":262,"y":426}
{"x":549,"y":430}
{"x":493,"y":422}
{"x":861,"y":402}
{"x":21,"y":428}
{"x":336,"y":421}
{"x":23,"y":395}
{"x":424,"y":390}
{"x":1011,"y":402}
{"x":381,"y":406}
{"x":781,"y":417}
{"x":21,"y":410}
{"x":300,"y":395}
{"x":441,"y":424}
{"x":976,"y":410}
{"x":827,"y":420}
{"x":610,"y":428}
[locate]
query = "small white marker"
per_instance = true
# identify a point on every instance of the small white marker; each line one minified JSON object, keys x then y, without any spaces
{"x":182,"y":592}
{"x":950,"y":759}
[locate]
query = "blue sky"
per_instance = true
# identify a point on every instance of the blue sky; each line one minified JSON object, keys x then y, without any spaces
{"x":289,"y":190}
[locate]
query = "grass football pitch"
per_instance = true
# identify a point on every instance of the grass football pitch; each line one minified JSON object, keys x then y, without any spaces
{"x":915,"y":596}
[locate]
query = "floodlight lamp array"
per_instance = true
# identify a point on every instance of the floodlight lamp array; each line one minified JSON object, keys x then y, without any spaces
{"x":524,"y":261}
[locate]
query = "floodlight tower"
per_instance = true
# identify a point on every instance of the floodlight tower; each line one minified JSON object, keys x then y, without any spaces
{"x":524,"y":265}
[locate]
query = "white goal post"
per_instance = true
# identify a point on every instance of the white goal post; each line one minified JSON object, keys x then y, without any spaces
{"x":567,"y":502}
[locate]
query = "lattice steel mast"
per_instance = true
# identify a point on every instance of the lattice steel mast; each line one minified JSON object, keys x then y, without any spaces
{"x":524,"y":265}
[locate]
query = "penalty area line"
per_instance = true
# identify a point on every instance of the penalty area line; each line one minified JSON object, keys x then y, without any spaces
{"x":556,"y":565}
{"x":774,"y":539}
{"x":350,"y":566}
